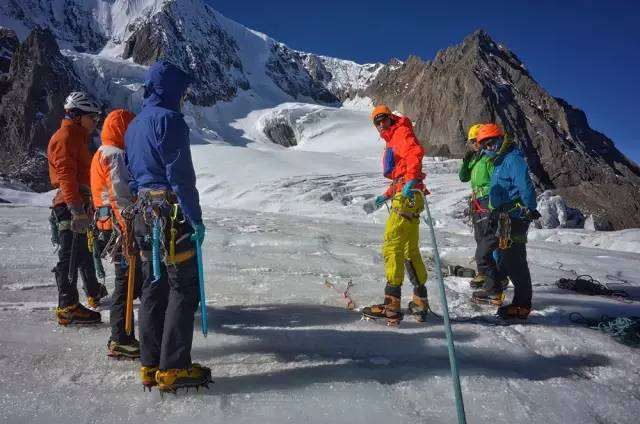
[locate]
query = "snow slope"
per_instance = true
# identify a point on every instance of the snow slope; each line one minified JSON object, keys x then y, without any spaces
{"x":282,"y":346}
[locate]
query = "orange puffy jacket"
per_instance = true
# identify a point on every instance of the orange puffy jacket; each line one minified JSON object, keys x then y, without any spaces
{"x":69,"y":162}
{"x":402,"y":160}
{"x":109,"y":173}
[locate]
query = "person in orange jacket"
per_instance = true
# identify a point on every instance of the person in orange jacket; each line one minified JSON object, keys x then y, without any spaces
{"x":111,"y":194}
{"x":69,"y":163}
{"x":402,"y":164}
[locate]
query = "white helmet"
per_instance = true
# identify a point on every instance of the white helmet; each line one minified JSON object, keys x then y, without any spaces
{"x":80,"y":100}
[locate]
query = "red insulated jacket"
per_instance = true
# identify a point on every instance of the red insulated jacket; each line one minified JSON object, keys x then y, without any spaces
{"x":402,"y":160}
{"x":69,"y":162}
{"x":109,"y":173}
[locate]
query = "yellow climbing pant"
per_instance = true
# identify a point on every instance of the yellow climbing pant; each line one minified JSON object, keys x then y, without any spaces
{"x":401,"y":241}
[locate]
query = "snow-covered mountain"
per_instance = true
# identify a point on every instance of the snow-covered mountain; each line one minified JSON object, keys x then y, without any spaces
{"x":109,"y":43}
{"x":224,"y":56}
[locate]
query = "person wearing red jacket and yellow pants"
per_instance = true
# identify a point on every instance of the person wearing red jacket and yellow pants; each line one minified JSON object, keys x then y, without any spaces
{"x":111,"y":194}
{"x":69,"y":162}
{"x":402,"y":164}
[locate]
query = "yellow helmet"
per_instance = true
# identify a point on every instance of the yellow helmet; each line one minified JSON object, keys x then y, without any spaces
{"x":473,"y":132}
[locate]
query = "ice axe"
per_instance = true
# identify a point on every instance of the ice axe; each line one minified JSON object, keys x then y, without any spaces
{"x":155,"y":250}
{"x":128,"y":317}
{"x":203,"y":302}
{"x":73,"y":260}
{"x":130,"y":253}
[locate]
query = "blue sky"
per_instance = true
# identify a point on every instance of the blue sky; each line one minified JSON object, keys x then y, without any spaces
{"x":586,"y":52}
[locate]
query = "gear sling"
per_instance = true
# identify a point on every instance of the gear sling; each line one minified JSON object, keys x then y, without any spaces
{"x":170,"y":238}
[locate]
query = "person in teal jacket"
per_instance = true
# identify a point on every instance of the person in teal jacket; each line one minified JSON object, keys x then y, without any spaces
{"x":477,"y":169}
{"x":513,"y":206}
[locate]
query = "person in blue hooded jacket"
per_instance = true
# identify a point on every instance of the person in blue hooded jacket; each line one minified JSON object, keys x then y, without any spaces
{"x":159,"y":158}
{"x":512,"y":199}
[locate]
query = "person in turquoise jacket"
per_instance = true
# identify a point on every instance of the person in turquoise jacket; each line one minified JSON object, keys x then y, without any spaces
{"x":513,"y":206}
{"x":477,"y":169}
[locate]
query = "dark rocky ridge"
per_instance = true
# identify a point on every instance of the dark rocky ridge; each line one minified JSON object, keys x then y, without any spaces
{"x":193,"y":40}
{"x":287,"y":69}
{"x":76,"y":28}
{"x":480,"y":81}
{"x":8,"y":44}
{"x":31,"y":107}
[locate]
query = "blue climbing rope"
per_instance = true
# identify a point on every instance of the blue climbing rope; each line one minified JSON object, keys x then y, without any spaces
{"x":462,"y":419}
{"x":625,"y":330}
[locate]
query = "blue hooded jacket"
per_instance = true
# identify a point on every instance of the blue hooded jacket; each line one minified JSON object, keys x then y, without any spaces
{"x":510,"y":182}
{"x":157,"y":140}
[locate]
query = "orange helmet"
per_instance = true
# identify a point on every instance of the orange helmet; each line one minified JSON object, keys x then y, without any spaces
{"x":488,"y":131}
{"x":380,"y":110}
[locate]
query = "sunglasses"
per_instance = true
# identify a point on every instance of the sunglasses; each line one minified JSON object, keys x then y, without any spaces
{"x":93,"y":116}
{"x":378,"y":120}
{"x":491,"y":143}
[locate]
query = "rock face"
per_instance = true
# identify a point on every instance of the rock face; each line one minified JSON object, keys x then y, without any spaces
{"x":479,"y":81}
{"x":342,"y":78}
{"x":74,"y":23}
{"x":280,"y":132}
{"x":189,"y":34}
{"x":8,"y":45}
{"x":31,"y":107}
{"x":287,"y":69}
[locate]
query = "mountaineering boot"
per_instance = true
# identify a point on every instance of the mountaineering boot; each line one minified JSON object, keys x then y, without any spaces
{"x":491,"y":293}
{"x":513,"y":311}
{"x":172,"y":379}
{"x":94,"y":302}
{"x":419,"y":305}
{"x":389,"y":310}
{"x":124,"y":350}
{"x":505,"y":283}
{"x":77,"y":314}
{"x":148,"y":377}
{"x":488,"y":297}
{"x":477,"y":281}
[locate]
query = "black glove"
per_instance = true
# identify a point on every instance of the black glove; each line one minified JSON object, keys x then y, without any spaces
{"x":468,"y":157}
{"x":533,"y":215}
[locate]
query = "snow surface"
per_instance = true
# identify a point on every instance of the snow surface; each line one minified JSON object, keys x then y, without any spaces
{"x":282,"y":346}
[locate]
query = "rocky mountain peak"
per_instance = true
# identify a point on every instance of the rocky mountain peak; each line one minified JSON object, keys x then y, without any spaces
{"x":31,"y":106}
{"x":480,"y":80}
